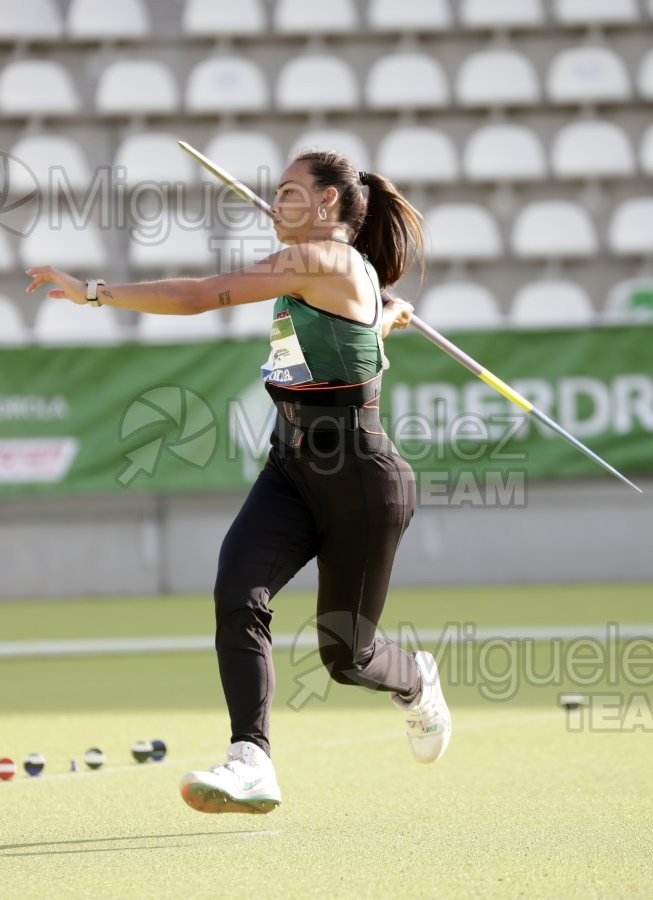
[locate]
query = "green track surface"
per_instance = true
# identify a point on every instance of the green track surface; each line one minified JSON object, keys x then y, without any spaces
{"x":529,"y":801}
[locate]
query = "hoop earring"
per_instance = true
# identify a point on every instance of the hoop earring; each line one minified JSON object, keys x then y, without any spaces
{"x":321,"y":211}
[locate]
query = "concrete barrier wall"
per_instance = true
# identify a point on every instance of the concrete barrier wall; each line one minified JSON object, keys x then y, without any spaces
{"x":140,"y":544}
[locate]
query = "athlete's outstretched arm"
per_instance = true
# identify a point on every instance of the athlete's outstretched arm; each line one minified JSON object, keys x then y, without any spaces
{"x":288,"y":271}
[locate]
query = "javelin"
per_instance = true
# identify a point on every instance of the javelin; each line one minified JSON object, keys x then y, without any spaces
{"x":430,"y":333}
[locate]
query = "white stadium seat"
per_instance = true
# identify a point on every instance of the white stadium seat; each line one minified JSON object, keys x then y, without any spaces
{"x":249,"y":238}
{"x":251,"y":319}
{"x":497,"y":78}
{"x":226,"y":84}
{"x":207,"y":326}
{"x":23,"y":89}
{"x":645,"y":76}
{"x":646,"y":151}
{"x":409,"y":15}
{"x":406,"y":81}
{"x":251,"y":156}
{"x":498,"y":14}
{"x":6,"y":254}
{"x":338,"y":139}
{"x":38,"y":20}
{"x":223,"y":18}
{"x":587,"y":75}
{"x":300,"y":17}
{"x":630,"y":232}
{"x":553,"y":229}
{"x":117,"y":20}
{"x":504,"y":152}
{"x":595,"y":12}
{"x":592,"y":149}
{"x":63,"y":323}
{"x":53,"y":159}
{"x":417,"y":154}
{"x":551,"y":302}
{"x":316,"y":82}
{"x":174,"y":242}
{"x":630,"y":300}
{"x":154,"y":156}
{"x":460,"y":305}
{"x":133,"y":87}
{"x":461,"y":231}
{"x":13,"y":330}
{"x":75,"y":246}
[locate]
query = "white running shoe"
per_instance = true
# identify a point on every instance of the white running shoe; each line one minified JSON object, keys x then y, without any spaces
{"x":428,"y":719}
{"x":245,"y":784}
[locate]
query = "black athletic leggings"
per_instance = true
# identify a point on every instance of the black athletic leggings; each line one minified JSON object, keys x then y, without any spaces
{"x":346,"y":505}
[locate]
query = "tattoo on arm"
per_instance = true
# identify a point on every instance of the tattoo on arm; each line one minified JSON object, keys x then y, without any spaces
{"x":224,"y":298}
{"x":107,"y":294}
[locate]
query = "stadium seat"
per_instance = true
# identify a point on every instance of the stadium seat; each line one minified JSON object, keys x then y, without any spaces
{"x":316,"y":82}
{"x":7,"y":261}
{"x":406,"y":81}
{"x":250,"y":238}
{"x":252,"y":156}
{"x":251,"y":319}
{"x":499,"y":14}
{"x":62,"y":323}
{"x":460,"y":305}
{"x":630,"y":232}
{"x":226,"y":84}
{"x":646,"y":151}
{"x":553,"y":229}
{"x":52,"y":159}
{"x":207,"y":326}
{"x":417,"y":154}
{"x":592,"y":149}
{"x":595,"y":12}
{"x":154,"y":156}
{"x":300,"y":17}
{"x":409,"y":15}
{"x":175,"y":242}
{"x":496,"y":77}
{"x":587,"y":75}
{"x":630,"y":300}
{"x":136,"y":87}
{"x":73,"y":246}
{"x":223,"y":18}
{"x":342,"y":141}
{"x":23,"y":93}
{"x":551,"y":303}
{"x":37,"y":20}
{"x":117,"y":20}
{"x":504,"y":152}
{"x":13,"y":330}
{"x":645,"y":76}
{"x":461,"y":231}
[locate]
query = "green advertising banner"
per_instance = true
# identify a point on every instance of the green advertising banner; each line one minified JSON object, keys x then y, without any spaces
{"x":196,"y":417}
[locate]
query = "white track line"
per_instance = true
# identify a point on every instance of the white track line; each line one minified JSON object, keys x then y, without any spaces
{"x":194,"y":643}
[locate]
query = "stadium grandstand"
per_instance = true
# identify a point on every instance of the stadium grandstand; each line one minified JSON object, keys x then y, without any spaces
{"x":520,"y":129}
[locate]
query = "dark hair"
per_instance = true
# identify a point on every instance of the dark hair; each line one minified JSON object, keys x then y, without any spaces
{"x":385,"y":227}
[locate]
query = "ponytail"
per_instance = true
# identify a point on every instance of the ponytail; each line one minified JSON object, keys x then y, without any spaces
{"x":391,"y":234}
{"x":385,"y":227}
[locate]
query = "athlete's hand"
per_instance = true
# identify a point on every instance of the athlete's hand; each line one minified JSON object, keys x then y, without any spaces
{"x":403,"y":312}
{"x":68,"y":287}
{"x":397,"y":313}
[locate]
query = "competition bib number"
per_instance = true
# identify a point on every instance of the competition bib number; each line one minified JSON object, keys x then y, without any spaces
{"x":286,"y":363}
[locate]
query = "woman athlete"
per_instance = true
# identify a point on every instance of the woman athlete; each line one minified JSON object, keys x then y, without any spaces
{"x":333,"y":487}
